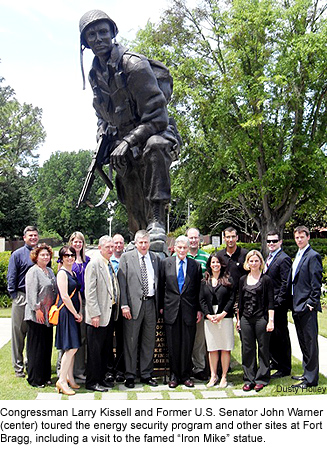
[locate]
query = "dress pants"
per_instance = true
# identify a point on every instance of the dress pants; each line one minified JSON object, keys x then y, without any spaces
{"x":116,"y":360}
{"x":280,"y":343}
{"x":180,"y":340}
{"x":307,"y":332}
{"x":99,"y":346}
{"x":142,"y":332}
{"x":39,"y":349}
{"x":199,"y":353}
{"x":18,"y":332}
{"x":254,"y":332}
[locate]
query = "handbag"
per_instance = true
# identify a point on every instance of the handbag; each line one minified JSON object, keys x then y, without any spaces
{"x":54,"y":310}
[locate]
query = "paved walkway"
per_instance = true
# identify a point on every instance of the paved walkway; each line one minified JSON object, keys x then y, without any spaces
{"x":163,"y":391}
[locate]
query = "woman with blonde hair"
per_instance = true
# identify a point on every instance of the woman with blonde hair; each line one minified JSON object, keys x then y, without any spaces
{"x":255,"y":321}
{"x":77,"y":241}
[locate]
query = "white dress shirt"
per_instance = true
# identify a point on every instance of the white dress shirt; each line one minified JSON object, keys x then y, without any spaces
{"x":150,"y":272}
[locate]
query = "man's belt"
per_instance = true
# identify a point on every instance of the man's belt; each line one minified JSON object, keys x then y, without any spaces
{"x":145,"y":297}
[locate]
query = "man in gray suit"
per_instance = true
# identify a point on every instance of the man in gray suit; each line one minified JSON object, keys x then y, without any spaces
{"x":101,"y":309}
{"x":138,"y":275}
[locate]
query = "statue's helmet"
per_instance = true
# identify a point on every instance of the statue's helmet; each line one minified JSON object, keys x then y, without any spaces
{"x":94,"y":16}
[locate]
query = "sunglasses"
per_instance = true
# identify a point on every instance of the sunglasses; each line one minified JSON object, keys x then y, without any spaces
{"x":69,"y":255}
{"x":272,"y":241}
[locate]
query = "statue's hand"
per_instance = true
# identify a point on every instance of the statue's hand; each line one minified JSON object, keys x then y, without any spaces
{"x":118,"y":156}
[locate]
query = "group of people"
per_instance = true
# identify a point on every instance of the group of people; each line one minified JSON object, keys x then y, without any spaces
{"x":110,"y":304}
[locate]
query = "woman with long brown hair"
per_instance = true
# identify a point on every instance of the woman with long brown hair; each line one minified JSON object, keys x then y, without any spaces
{"x":68,"y":336}
{"x":217,"y":301}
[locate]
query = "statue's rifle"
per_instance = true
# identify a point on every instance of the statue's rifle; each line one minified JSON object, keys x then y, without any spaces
{"x":97,"y":165}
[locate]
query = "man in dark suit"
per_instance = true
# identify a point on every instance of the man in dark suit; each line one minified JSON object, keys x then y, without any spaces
{"x":138,"y":277}
{"x":304,"y":286}
{"x":180,"y":279}
{"x":278,"y":266}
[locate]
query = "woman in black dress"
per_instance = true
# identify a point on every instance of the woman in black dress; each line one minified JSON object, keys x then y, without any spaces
{"x":255,"y":321}
{"x":68,"y":336}
{"x":217,"y":301}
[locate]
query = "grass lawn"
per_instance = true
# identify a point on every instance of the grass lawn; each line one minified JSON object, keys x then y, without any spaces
{"x":322,"y":321}
{"x":12,"y":388}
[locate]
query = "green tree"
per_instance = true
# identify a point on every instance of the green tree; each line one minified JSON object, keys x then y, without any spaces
{"x":21,"y":132}
{"x":250,"y":98}
{"x":56,"y":192}
{"x":16,"y":205}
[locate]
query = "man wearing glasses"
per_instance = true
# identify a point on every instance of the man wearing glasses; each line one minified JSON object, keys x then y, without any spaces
{"x":278,"y":265}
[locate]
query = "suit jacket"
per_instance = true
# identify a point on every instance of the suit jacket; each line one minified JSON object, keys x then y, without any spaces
{"x":130,"y":282}
{"x":221,"y":295}
{"x":170,"y":297}
{"x":307,"y":282}
{"x":99,"y":291}
{"x":278,"y":271}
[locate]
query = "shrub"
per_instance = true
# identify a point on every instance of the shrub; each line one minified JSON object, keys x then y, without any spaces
{"x":5,"y":301}
{"x":4,"y":261}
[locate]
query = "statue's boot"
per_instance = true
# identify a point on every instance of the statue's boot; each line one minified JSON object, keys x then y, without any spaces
{"x":156,"y":229}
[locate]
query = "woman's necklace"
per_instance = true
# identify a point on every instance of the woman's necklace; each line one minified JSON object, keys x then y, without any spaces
{"x":45,"y":270}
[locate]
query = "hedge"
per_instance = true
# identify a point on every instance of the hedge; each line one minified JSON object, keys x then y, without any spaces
{"x":320,"y":245}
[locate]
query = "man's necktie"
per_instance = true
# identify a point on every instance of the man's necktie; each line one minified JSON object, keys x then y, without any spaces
{"x":180,"y":276}
{"x":144,"y":278}
{"x":112,"y":282}
{"x":268,"y":262}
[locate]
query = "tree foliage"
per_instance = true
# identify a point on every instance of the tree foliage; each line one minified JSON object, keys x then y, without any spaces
{"x":16,"y":205}
{"x":56,"y":192}
{"x":21,"y":132}
{"x":250,"y":101}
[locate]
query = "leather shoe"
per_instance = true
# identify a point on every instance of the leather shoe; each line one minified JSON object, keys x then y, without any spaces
{"x":20,"y":374}
{"x":298,"y":377}
{"x":188,"y":383}
{"x":258,"y":387}
{"x":109,"y":378}
{"x":200,"y":376}
{"x":97,"y":387}
{"x":279,"y":374}
{"x":173,"y":384}
{"x":108,"y":384}
{"x":302,"y":385}
{"x":248,"y":387}
{"x":150,"y":381}
{"x":120,"y":378}
{"x":130,"y":383}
